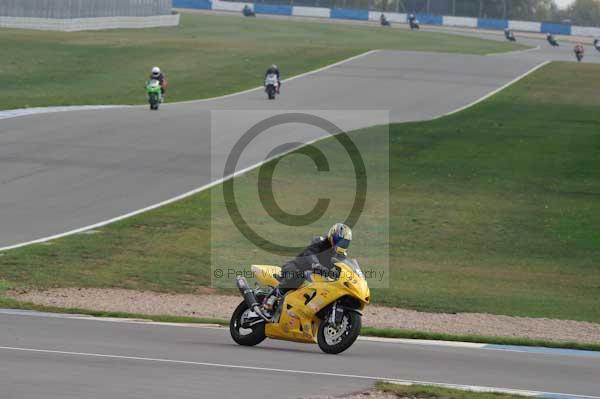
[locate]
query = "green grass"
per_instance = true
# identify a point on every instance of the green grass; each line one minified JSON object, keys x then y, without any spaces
{"x":207,"y":55}
{"x":494,"y":209}
{"x":433,"y":392}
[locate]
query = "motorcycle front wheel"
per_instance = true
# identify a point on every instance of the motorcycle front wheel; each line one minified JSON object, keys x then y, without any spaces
{"x":250,"y":336}
{"x":336,"y":339}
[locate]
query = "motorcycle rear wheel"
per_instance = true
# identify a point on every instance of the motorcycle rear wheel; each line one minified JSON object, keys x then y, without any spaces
{"x":333,"y":341}
{"x":254,"y":336}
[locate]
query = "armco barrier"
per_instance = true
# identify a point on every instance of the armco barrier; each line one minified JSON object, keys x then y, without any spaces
{"x":345,"y":13}
{"x":460,"y":21}
{"x":224,"y":5}
{"x":556,"y":29}
{"x":585,"y":31}
{"x":81,"y":24}
{"x":67,"y":9}
{"x":272,"y":9}
{"x":365,"y":15}
{"x":196,"y":4}
{"x":487,"y":23}
{"x":525,"y":26}
{"x":311,"y":12}
{"x":393,"y":17}
{"x":430,"y":19}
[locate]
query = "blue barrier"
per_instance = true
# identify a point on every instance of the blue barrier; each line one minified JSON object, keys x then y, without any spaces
{"x":198,"y":4}
{"x":426,"y":19}
{"x":346,"y":13}
{"x":260,"y":8}
{"x":556,"y":29}
{"x":363,"y":15}
{"x":488,"y":23}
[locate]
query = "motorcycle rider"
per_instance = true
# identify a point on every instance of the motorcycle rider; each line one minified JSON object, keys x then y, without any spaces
{"x":412,"y":21}
{"x":597,"y":44}
{"x":157,"y":74}
{"x":247,"y":11}
{"x":317,"y":257}
{"x":509,"y":34}
{"x":383,"y":20}
{"x":551,"y":39}
{"x":274,"y":69}
{"x":579,"y":51}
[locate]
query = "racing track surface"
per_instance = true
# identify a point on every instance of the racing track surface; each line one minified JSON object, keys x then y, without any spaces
{"x":63,"y":171}
{"x":227,"y":370}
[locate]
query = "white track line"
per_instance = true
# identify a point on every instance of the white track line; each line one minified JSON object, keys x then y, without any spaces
{"x":536,"y":48}
{"x":16,"y":113}
{"x":290,"y":371}
{"x":492,"y":93}
{"x":258,"y":164}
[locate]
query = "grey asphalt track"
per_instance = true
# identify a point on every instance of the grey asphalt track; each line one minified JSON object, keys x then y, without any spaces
{"x":206,"y":363}
{"x":63,"y":171}
{"x":59,"y":172}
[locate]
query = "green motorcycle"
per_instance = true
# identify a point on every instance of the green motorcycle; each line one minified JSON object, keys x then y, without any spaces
{"x":154,"y":93}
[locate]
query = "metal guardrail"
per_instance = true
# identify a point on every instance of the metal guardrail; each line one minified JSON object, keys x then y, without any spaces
{"x":65,"y":9}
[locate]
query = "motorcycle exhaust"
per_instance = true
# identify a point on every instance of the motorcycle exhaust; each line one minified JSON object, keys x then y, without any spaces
{"x":250,"y":298}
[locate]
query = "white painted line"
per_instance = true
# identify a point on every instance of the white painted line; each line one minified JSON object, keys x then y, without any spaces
{"x":249,"y":168}
{"x":492,"y":93}
{"x":367,"y":339}
{"x":16,"y":113}
{"x":290,"y":371}
{"x":199,"y":189}
{"x":536,"y":48}
{"x":456,"y":344}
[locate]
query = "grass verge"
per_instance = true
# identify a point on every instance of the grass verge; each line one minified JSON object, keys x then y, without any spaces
{"x":206,"y":56}
{"x":432,"y":392}
{"x":492,"y":210}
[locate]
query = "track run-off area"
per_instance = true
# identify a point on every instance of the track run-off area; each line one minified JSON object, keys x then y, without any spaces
{"x":65,"y":172}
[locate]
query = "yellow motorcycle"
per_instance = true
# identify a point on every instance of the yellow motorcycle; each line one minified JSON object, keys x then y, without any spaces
{"x":325,"y":309}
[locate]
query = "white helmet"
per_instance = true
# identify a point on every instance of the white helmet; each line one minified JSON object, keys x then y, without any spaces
{"x":155,"y":71}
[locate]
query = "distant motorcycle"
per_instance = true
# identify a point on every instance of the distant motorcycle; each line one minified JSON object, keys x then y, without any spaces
{"x":553,"y":42}
{"x":579,"y":51}
{"x":384,"y":21}
{"x":271,"y":85}
{"x":154,"y":94}
{"x":414,"y":24}
{"x":597,"y":44}
{"x":509,"y":35}
{"x":248,"y":12}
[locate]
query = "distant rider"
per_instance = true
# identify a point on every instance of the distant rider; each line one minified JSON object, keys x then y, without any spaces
{"x":579,"y":49}
{"x":509,"y":35}
{"x":157,"y":74}
{"x":273,"y":69}
{"x":317,"y":257}
{"x":597,"y":44}
{"x":247,"y":11}
{"x":412,"y":21}
{"x":383,"y":20}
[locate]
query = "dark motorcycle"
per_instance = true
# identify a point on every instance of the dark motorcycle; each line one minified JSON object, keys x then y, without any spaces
{"x":553,"y":42}
{"x":271,"y":85}
{"x":509,"y":35}
{"x":579,"y":51}
{"x":384,"y":21}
